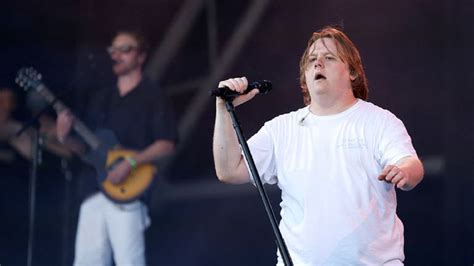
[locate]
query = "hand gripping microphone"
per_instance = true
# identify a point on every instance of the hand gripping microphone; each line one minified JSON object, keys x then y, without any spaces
{"x":263,"y":87}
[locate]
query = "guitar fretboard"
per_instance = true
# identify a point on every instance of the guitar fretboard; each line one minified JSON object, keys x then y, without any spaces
{"x":78,"y":125}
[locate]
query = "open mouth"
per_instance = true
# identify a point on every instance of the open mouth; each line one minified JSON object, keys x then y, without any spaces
{"x":319,"y":77}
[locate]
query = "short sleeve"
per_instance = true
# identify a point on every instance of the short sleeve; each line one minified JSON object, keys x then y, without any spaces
{"x":163,"y":124}
{"x":394,"y":142}
{"x":262,"y":150}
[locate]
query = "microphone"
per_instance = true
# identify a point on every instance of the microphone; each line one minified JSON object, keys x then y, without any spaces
{"x":301,"y":122}
{"x":263,"y":87}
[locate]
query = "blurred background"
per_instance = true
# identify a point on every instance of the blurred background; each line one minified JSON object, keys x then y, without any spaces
{"x":417,"y":55}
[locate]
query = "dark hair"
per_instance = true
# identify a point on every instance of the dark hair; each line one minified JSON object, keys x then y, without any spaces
{"x":348,"y":53}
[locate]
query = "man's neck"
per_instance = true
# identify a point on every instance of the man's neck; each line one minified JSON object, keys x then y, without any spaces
{"x":126,"y":83}
{"x":323,"y":106}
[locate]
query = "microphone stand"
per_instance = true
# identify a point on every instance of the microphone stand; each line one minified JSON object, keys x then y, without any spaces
{"x":256,"y":177}
{"x":35,"y":161}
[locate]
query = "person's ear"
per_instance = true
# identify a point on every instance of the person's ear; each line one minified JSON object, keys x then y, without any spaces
{"x":353,"y":75}
{"x":142,"y":58}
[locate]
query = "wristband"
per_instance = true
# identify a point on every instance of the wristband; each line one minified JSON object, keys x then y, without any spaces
{"x":132,"y":162}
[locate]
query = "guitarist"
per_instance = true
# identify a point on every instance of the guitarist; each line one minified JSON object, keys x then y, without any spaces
{"x":139,"y":115}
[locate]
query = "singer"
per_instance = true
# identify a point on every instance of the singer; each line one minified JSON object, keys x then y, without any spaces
{"x":338,"y":161}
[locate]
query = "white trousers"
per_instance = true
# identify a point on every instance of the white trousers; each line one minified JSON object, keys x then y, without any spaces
{"x":107,"y":229}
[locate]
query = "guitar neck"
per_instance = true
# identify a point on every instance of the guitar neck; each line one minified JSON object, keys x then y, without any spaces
{"x":78,"y":126}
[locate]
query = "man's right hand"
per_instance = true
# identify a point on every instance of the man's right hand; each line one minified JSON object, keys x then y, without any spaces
{"x":239,"y":85}
{"x":64,"y":124}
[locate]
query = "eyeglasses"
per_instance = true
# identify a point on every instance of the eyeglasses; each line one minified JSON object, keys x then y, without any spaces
{"x":124,"y":49}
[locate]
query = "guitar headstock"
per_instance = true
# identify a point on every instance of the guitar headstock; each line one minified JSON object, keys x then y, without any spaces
{"x":28,"y":78}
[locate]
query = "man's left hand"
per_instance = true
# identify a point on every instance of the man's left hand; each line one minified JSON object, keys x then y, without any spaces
{"x":395,"y":175}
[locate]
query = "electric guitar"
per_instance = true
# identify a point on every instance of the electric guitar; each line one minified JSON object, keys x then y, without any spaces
{"x":102,"y":155}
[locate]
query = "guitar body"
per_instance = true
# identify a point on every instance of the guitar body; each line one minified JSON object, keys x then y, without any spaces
{"x":105,"y":157}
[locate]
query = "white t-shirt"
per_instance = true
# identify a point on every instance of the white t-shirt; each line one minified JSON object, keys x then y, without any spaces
{"x":334,"y":209}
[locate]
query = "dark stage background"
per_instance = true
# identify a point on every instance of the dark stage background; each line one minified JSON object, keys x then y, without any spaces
{"x":418,"y":57}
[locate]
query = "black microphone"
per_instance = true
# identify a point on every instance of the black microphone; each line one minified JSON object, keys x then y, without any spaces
{"x":263,"y":87}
